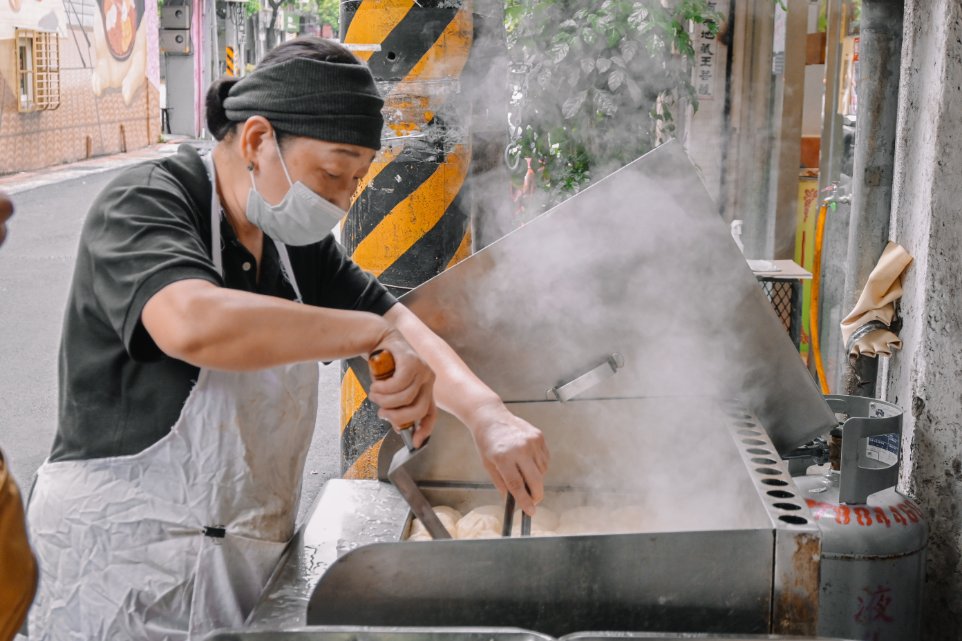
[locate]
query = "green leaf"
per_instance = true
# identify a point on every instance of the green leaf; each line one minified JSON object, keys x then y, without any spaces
{"x":573,"y":105}
{"x":629,"y":49}
{"x":558,"y":52}
{"x":603,"y":65}
{"x":587,"y":65}
{"x":605,"y":103}
{"x":638,"y":16}
{"x":514,"y":12}
{"x":615,"y":79}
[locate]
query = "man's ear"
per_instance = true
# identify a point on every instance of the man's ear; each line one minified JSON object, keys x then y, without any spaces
{"x":255,"y":137}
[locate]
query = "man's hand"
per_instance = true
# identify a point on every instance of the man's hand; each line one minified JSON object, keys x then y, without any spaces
{"x":408,"y":396}
{"x":6,"y":211}
{"x":514,"y":452}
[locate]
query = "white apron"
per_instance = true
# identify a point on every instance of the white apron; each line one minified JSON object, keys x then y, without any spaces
{"x":181,"y":538}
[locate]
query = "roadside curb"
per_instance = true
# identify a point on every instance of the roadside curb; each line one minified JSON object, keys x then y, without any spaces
{"x":27,"y":180}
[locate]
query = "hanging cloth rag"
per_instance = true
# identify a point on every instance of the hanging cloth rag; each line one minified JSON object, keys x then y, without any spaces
{"x":867,"y":330}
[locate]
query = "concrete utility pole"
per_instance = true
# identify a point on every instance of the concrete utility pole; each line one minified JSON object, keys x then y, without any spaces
{"x":411,"y":218}
{"x":880,"y":50}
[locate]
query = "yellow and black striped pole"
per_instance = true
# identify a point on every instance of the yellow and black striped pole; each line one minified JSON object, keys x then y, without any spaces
{"x":231,"y":63}
{"x":411,"y":218}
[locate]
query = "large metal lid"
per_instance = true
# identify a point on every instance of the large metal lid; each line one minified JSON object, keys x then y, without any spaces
{"x":631,"y":288}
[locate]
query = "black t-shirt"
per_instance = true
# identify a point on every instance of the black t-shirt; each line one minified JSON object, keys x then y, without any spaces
{"x":150,"y":227}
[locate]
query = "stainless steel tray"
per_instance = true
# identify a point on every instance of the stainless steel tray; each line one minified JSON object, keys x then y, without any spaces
{"x":658,"y":636}
{"x":730,"y":551}
{"x":344,"y":633}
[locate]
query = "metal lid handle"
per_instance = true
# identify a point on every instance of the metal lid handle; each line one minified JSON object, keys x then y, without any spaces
{"x":582,"y":383}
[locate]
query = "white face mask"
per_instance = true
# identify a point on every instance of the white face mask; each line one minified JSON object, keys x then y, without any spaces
{"x":301,"y":218}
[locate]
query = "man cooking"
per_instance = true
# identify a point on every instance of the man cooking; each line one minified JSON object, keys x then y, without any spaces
{"x":205,"y":291}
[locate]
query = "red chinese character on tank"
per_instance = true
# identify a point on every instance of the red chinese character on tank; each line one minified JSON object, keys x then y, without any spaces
{"x":873,"y":607}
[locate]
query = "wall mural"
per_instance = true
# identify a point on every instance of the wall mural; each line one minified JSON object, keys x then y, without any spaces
{"x":118,"y":52}
{"x":104,"y":97}
{"x":120,"y":47}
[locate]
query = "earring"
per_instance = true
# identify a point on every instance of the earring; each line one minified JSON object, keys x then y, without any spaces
{"x":250,"y":166}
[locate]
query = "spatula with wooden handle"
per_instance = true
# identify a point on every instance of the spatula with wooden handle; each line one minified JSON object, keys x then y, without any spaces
{"x":381,"y":363}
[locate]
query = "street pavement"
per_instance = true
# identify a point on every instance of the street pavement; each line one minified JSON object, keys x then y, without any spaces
{"x":36,"y":266}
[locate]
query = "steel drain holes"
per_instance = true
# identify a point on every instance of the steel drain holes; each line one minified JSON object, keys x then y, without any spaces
{"x":794,"y":520}
{"x":764,"y":461}
{"x":781,"y":494}
{"x":768,"y":470}
{"x":759,"y":450}
{"x":775,"y":482}
{"x":745,"y":432}
{"x":791,"y":507}
{"x":745,"y":424}
{"x":753,"y":441}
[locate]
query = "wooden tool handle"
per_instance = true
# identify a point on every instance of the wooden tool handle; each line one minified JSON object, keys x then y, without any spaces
{"x":381,"y":363}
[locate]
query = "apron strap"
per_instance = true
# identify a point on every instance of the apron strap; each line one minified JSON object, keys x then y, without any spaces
{"x":215,"y":215}
{"x":287,"y":269}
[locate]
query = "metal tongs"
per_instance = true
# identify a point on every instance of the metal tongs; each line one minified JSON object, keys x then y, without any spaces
{"x":381,"y":364}
{"x":509,"y":518}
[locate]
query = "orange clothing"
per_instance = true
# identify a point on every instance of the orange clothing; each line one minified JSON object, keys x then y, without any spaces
{"x":18,"y":568}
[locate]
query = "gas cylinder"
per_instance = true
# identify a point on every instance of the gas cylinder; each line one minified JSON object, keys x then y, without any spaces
{"x":873,"y":537}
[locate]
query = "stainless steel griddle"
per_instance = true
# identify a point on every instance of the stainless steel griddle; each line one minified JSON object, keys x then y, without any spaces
{"x":661,"y":378}
{"x":730,"y":550}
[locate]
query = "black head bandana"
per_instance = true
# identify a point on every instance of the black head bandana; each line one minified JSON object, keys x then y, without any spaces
{"x":332,"y":101}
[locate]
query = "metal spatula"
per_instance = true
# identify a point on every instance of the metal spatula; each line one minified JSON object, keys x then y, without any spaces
{"x":381,"y":364}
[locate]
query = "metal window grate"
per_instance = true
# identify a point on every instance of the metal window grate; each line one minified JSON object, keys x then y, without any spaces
{"x":784,"y":296}
{"x":38,"y":70}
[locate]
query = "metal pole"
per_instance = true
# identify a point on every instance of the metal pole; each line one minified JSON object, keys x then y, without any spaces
{"x":411,"y":218}
{"x":880,"y":57}
{"x":832,"y":277}
{"x":749,"y":161}
{"x":831,"y":147}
